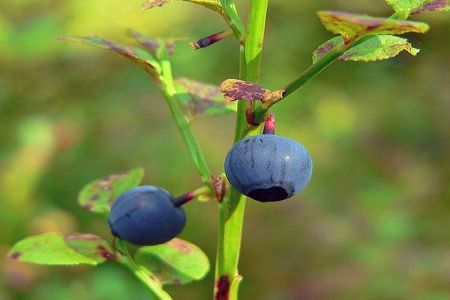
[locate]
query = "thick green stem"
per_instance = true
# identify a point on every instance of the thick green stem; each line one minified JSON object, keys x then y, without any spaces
{"x":232,"y":208}
{"x":188,"y":136}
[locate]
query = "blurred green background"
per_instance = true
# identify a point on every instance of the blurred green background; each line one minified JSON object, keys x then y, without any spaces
{"x":372,"y":224}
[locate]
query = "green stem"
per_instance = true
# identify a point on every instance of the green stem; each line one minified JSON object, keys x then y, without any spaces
{"x":232,"y":18}
{"x":232,"y":208}
{"x":143,"y":274}
{"x":183,"y":125}
{"x":316,"y":68}
{"x":322,"y":63}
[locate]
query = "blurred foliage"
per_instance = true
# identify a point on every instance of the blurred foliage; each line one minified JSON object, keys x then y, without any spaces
{"x":373,"y":223}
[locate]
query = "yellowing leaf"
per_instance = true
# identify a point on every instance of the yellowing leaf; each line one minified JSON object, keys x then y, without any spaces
{"x":351,"y":26}
{"x":235,"y":89}
{"x":62,"y":249}
{"x":201,"y":99}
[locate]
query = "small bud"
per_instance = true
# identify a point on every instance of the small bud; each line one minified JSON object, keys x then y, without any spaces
{"x":269,"y":125}
{"x":212,"y":39}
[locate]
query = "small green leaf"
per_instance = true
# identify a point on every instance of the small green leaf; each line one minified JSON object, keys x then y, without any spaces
{"x":378,"y":48}
{"x":62,"y":249}
{"x":201,"y":99}
{"x":138,"y":55}
{"x":326,"y":47}
{"x":98,"y":195}
{"x":211,"y":4}
{"x":352,"y":26}
{"x":407,"y":7}
{"x":374,"y":48}
{"x":175,"y":262}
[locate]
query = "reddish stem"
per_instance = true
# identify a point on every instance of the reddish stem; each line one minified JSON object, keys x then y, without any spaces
{"x":269,"y":125}
{"x":185,"y":198}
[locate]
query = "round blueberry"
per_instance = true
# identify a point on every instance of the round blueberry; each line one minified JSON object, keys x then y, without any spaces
{"x":146,"y":215}
{"x":268,"y":167}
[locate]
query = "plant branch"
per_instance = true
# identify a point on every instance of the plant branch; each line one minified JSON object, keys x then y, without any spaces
{"x":321,"y":64}
{"x":232,"y":208}
{"x":232,"y":18}
{"x":143,"y":274}
{"x":316,"y":68}
{"x":188,"y":136}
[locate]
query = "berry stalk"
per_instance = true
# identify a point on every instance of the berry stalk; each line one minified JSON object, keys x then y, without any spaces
{"x":183,"y":199}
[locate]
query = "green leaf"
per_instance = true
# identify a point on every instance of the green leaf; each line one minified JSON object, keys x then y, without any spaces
{"x":374,"y":48}
{"x":326,"y":47}
{"x":211,"y":4}
{"x":378,"y":48}
{"x":414,"y":7}
{"x":138,"y":55}
{"x":175,"y":262}
{"x":201,"y":99}
{"x":62,"y":249}
{"x":352,"y":26}
{"x":98,"y":195}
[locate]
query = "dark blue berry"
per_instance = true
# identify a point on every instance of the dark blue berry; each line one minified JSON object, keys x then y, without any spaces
{"x":146,"y":215}
{"x":268,"y":167}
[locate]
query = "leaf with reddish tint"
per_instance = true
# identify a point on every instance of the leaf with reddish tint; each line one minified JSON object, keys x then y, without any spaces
{"x":434,"y":5}
{"x":326,"y":47}
{"x":175,"y":262}
{"x":406,"y":7}
{"x":235,"y":89}
{"x":98,"y":195}
{"x":62,"y":249}
{"x":201,"y":99}
{"x":154,"y":45}
{"x":378,"y":48}
{"x":211,"y":4}
{"x":138,"y":55}
{"x":351,"y":26}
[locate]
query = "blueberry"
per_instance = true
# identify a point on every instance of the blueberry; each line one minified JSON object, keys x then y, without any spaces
{"x":268,"y":167}
{"x":146,"y":215}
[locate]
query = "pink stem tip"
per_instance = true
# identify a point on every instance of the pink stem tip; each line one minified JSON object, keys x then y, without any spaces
{"x":269,"y":125}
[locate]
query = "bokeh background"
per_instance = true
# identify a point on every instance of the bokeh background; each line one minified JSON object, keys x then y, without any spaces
{"x":372,"y":224}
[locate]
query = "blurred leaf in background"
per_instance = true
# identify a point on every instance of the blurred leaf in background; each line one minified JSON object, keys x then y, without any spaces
{"x":373,"y":223}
